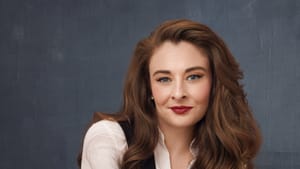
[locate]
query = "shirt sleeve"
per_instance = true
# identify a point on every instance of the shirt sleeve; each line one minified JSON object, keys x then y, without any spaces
{"x":103,"y":146}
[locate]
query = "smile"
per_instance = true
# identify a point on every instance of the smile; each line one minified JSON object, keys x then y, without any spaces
{"x":180,"y":109}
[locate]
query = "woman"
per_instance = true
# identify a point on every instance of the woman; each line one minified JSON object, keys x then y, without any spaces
{"x":183,"y":106}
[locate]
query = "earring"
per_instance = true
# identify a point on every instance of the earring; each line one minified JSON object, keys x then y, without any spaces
{"x":152,"y":98}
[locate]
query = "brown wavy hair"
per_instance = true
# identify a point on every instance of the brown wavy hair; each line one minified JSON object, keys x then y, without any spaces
{"x":228,"y":136}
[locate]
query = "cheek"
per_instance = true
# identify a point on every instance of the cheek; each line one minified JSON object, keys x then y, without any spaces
{"x":160,"y":94}
{"x":202,"y":93}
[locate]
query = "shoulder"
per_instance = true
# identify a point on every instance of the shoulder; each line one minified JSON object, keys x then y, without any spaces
{"x":105,"y":129}
{"x":104,"y":145}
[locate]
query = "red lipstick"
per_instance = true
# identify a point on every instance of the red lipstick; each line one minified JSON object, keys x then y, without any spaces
{"x":180,"y":109}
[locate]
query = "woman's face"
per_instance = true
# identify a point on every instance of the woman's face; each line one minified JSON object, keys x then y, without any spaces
{"x":180,"y":79}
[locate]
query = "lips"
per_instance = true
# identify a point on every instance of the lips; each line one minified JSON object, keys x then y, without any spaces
{"x":181,"y":109}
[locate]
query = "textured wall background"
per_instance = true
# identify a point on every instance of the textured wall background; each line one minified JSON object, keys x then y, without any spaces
{"x":62,"y":60}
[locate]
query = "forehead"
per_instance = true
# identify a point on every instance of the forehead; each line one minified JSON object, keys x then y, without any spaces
{"x":177,"y":56}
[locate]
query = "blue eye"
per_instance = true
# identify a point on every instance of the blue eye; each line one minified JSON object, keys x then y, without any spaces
{"x":164,"y":80}
{"x":194,"y":77}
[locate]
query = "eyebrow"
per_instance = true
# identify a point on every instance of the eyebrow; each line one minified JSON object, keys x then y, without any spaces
{"x":186,"y":71}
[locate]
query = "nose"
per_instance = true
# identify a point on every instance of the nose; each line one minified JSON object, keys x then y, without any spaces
{"x":178,"y":91}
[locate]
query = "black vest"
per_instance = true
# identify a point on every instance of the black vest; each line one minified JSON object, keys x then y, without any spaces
{"x":128,"y":130}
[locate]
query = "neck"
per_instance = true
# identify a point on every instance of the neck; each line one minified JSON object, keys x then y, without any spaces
{"x":177,"y":140}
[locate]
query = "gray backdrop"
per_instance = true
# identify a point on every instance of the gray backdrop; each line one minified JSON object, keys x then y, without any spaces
{"x":62,"y":60}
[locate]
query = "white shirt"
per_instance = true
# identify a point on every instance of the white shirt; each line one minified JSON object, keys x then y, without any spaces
{"x":105,"y":143}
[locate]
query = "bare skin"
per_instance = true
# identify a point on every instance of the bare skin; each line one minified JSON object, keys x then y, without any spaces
{"x":180,"y":81}
{"x":178,"y":144}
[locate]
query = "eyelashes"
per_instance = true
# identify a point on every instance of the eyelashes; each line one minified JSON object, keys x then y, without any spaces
{"x":163,"y":79}
{"x":194,"y":77}
{"x":188,"y":78}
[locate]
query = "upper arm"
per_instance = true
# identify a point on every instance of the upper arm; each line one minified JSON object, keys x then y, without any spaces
{"x":104,"y":146}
